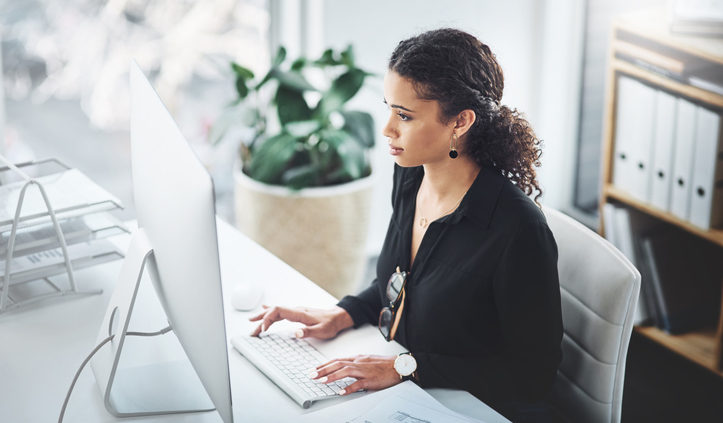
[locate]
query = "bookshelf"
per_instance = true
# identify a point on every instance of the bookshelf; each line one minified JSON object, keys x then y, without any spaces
{"x":666,"y":68}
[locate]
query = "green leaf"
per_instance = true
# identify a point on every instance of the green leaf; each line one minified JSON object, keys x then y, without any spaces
{"x":333,"y":137}
{"x":351,"y":155}
{"x":291,"y":106}
{"x":279,"y":58}
{"x":342,"y":89}
{"x":361,"y":126}
{"x":243,"y":76}
{"x":292,"y":79}
{"x":353,"y":160}
{"x":271,"y":158}
{"x":241,"y":87}
{"x":298,"y":64}
{"x":301,"y":176}
{"x":265,"y":79}
{"x":326,"y":59}
{"x":241,"y":71}
{"x":347,"y":56}
{"x":304,"y":128}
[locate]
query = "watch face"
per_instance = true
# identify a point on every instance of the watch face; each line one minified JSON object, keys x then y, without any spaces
{"x":405,"y":364}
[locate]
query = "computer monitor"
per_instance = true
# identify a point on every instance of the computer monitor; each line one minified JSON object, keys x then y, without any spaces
{"x":176,"y":242}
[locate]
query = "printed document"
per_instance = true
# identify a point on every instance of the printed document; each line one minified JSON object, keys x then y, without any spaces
{"x":403,"y":403}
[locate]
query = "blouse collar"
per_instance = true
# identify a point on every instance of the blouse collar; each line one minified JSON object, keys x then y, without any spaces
{"x":478,"y":203}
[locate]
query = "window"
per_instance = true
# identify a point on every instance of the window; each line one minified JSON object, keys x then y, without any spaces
{"x":65,"y":67}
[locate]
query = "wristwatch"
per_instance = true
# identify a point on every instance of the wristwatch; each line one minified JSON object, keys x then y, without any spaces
{"x":406,"y":366}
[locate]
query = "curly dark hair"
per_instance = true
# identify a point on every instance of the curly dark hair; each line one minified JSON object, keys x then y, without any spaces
{"x":460,"y":72}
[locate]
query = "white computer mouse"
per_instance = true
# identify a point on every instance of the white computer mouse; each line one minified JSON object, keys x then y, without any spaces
{"x":246,"y":295}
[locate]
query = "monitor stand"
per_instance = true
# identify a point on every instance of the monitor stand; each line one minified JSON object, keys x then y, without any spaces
{"x":160,"y":387}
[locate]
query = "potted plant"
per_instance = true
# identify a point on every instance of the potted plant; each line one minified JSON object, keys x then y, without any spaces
{"x":303,"y":186}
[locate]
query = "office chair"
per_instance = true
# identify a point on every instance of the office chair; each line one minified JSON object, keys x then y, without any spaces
{"x":599,"y":291}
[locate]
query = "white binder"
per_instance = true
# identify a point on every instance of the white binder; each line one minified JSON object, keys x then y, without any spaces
{"x":705,"y":196}
{"x":643,"y":125}
{"x":664,"y":145}
{"x":633,"y":137}
{"x":624,"y":128}
{"x":683,"y":158}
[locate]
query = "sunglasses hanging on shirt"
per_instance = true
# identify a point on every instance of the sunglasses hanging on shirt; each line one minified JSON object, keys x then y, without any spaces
{"x":389,"y":316}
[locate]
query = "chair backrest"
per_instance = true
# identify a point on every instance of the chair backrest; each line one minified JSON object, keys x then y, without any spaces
{"x":599,"y":289}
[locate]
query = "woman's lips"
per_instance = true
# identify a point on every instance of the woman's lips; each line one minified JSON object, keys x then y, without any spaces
{"x":395,"y":151}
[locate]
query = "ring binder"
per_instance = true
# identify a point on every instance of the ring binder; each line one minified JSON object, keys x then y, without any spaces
{"x":33,"y":230}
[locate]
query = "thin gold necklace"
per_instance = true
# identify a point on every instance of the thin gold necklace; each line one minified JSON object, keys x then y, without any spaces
{"x":423,"y":222}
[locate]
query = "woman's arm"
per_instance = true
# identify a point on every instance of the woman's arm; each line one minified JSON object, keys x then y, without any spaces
{"x":364,"y":307}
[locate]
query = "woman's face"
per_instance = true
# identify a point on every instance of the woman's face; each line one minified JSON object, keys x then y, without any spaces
{"x":416,"y":136}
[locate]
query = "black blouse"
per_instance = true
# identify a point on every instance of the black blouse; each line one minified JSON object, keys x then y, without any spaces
{"x":483,"y":298}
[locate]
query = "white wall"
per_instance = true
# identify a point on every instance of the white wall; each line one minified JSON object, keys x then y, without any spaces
{"x":556,"y":110}
{"x":537,"y":43}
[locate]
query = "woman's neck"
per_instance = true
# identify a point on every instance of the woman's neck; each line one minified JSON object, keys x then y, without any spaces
{"x":449,"y":180}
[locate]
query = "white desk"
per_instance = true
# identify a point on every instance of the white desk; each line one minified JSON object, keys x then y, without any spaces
{"x":41,"y":348}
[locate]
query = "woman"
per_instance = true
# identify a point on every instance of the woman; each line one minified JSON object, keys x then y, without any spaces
{"x":474,"y":293}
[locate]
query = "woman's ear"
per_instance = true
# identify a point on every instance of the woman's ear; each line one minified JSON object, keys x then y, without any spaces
{"x":465,"y":120}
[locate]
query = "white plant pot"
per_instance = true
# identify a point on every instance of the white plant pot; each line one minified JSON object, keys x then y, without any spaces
{"x":321,"y":232}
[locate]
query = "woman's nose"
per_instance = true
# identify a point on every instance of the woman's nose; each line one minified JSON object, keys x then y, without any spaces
{"x":389,"y":131}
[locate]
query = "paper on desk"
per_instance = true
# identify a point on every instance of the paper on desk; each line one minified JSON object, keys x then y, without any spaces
{"x":405,"y":403}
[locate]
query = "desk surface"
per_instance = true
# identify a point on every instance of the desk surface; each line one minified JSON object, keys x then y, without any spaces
{"x":42,"y":347}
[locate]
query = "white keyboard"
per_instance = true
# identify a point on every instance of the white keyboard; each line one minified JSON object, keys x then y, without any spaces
{"x":288,"y":361}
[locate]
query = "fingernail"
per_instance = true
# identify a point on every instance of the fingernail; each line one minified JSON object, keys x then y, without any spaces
{"x":342,"y":392}
{"x":263,"y":327}
{"x":299,"y":333}
{"x":313,"y":375}
{"x":323,"y":379}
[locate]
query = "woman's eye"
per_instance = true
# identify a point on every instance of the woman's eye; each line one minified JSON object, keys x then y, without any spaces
{"x":402,"y":116}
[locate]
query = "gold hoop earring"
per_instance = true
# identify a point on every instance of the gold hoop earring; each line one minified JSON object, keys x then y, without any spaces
{"x":452,"y":148}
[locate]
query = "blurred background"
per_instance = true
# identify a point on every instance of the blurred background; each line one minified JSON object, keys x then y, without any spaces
{"x":64,"y":94}
{"x":65,"y":70}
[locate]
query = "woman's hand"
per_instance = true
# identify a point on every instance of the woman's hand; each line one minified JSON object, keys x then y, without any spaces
{"x":322,"y":324}
{"x":371,"y":372}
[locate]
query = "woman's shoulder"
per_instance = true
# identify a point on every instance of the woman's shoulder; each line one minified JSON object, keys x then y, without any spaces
{"x":515,"y":209}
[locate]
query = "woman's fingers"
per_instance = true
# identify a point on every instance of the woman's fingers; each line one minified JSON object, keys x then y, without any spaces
{"x":339,"y":369}
{"x":260,"y":315}
{"x":273,"y":314}
{"x":330,"y":368}
{"x":354,"y":387}
{"x":349,"y":370}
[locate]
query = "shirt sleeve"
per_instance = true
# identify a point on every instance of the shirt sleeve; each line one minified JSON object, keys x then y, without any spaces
{"x":527,"y":296}
{"x":364,"y":307}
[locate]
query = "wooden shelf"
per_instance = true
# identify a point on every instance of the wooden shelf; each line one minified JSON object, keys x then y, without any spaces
{"x":649,"y":30}
{"x":653,"y":24}
{"x":689,"y":91}
{"x":698,"y":346}
{"x":713,"y":235}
